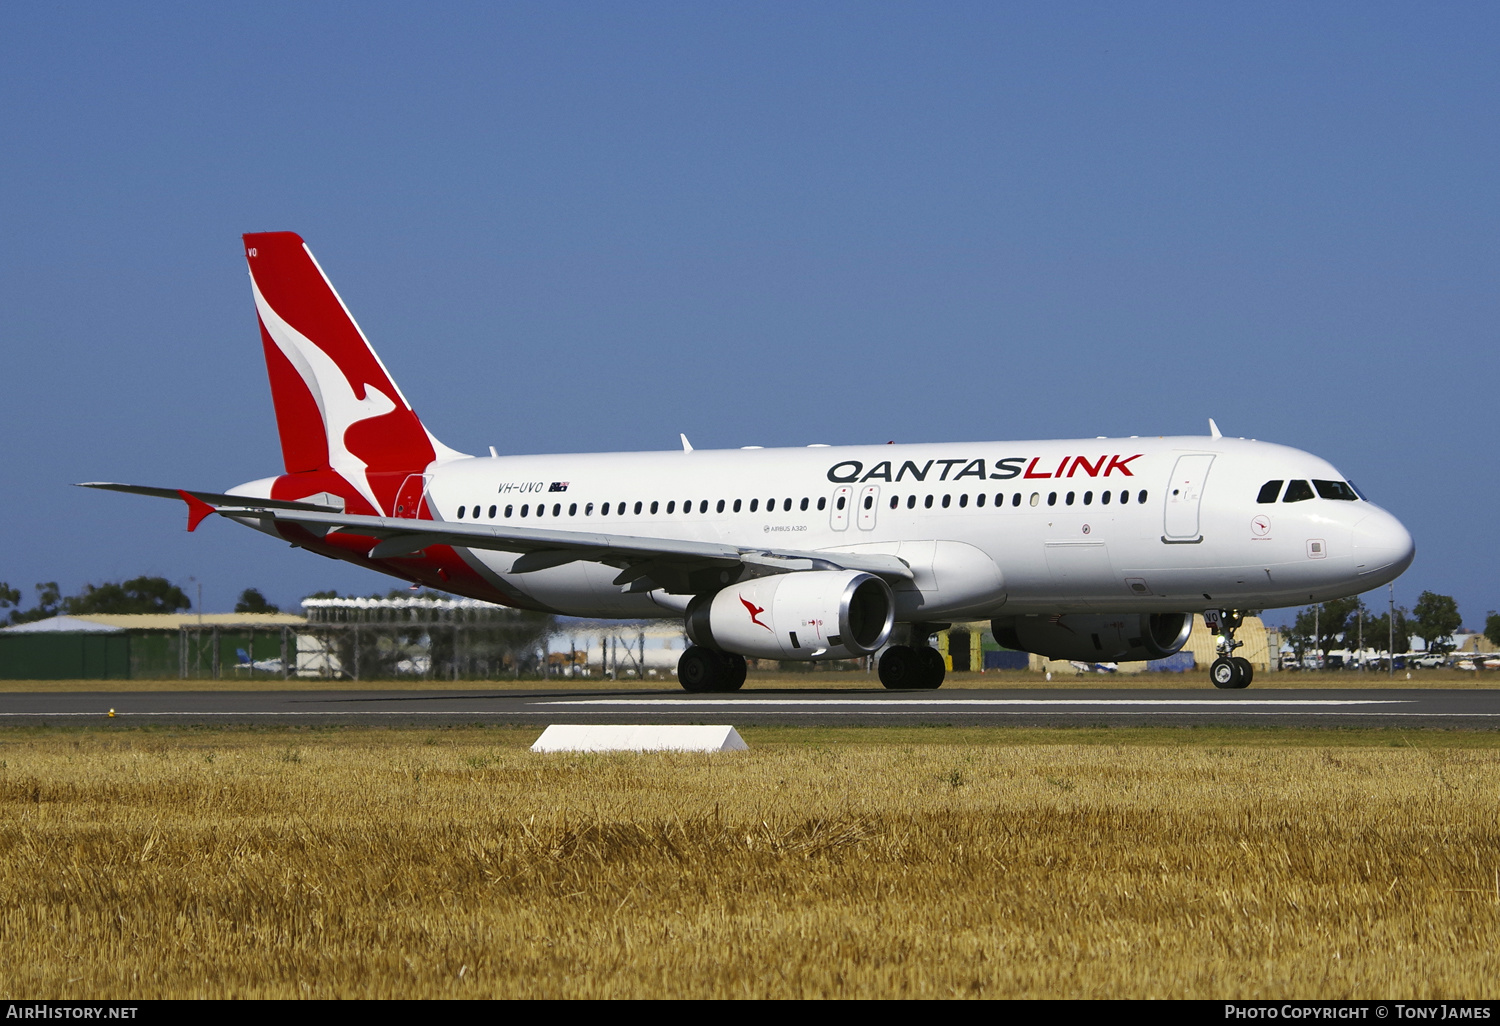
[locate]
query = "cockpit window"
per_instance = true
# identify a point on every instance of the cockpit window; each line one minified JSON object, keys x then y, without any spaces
{"x":1335,"y":490}
{"x":1361,"y":494}
{"x":1269,"y":491}
{"x":1297,"y":491}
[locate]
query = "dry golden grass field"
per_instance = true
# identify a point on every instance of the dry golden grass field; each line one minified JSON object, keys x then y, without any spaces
{"x":936,"y":862}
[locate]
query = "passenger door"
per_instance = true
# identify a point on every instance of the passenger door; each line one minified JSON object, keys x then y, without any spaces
{"x":1184,"y":496}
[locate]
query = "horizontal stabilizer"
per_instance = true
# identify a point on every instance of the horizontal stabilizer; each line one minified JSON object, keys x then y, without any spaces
{"x":217,"y":500}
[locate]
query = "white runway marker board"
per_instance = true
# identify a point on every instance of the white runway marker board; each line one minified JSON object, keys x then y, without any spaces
{"x":561,"y":737}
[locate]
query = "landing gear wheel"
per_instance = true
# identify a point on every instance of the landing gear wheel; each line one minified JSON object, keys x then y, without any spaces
{"x":900,"y":668}
{"x":734,"y":671}
{"x":700,"y":669}
{"x":1247,"y":672}
{"x":1223,"y":673}
{"x":1229,"y":670}
{"x":933,"y":669}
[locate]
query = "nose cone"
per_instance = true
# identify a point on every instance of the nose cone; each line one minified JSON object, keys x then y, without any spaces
{"x":1383,"y":548}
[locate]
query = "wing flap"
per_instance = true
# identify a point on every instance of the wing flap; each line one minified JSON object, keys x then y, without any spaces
{"x":543,"y":548}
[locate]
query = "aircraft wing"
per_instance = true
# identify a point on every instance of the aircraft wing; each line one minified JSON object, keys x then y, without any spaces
{"x":645,"y":563}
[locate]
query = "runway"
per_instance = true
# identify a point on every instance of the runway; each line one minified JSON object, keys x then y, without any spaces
{"x":1466,"y":708}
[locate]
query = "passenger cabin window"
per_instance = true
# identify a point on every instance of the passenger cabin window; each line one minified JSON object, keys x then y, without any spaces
{"x":672,"y":506}
{"x":803,"y":506}
{"x":1269,"y":491}
{"x":508,"y":511}
{"x":736,"y":505}
{"x":754,"y":505}
{"x":653,"y":507}
{"x":1297,"y":491}
{"x":492,"y":512}
{"x":822,"y":503}
{"x":1335,"y":490}
{"x":895,"y":501}
{"x":461,"y":512}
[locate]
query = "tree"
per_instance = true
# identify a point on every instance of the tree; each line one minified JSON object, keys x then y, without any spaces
{"x":1436,"y":620}
{"x":1336,"y":622}
{"x":252,"y":601}
{"x":9,"y":596}
{"x":1378,"y":631}
{"x":48,"y":602}
{"x":1492,"y":627}
{"x":1328,"y":625}
{"x":1300,"y":634}
{"x":137,"y":595}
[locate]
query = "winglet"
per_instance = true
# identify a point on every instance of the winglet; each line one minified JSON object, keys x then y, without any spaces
{"x":1213,"y":429}
{"x":197,"y":509}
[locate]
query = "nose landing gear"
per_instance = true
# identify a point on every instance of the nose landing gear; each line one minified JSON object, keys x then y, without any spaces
{"x":1229,"y":670}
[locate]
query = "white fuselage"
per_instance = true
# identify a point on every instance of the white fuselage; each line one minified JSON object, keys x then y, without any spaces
{"x":1018,"y":527}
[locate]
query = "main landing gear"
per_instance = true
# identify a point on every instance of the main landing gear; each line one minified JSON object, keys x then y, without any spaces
{"x":705,"y":669}
{"x":1229,"y":670}
{"x":912,"y":667}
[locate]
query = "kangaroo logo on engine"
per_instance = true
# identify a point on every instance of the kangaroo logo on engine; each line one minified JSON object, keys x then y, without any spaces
{"x":754,"y":612}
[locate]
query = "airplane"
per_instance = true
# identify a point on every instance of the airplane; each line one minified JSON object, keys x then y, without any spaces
{"x":247,"y":663}
{"x":1094,"y":550}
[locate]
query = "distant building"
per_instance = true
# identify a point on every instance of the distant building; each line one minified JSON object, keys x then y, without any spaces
{"x":137,"y":646}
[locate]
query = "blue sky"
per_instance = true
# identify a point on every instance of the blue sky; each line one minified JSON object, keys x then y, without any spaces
{"x":576,"y":227}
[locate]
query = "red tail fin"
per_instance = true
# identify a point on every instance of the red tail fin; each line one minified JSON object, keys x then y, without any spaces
{"x":336,"y":405}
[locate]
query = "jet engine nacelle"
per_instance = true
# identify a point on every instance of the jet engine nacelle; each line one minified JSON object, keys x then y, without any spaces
{"x":1095,"y":637}
{"x":812,"y":614}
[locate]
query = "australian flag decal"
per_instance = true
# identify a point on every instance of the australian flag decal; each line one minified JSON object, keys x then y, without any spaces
{"x":558,"y":486}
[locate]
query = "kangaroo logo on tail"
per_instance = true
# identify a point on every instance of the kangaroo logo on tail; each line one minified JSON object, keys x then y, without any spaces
{"x":337,"y":407}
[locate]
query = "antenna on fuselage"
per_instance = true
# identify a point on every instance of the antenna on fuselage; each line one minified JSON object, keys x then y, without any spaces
{"x":686,"y":445}
{"x":1213,"y":429}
